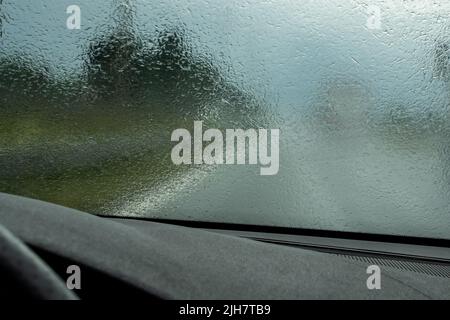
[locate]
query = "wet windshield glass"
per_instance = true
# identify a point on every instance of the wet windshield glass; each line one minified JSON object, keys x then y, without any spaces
{"x":342,"y":106}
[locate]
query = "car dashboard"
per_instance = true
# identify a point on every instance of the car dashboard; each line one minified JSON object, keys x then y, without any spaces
{"x":129,"y":258}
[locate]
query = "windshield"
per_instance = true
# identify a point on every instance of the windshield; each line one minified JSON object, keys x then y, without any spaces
{"x":337,"y":111}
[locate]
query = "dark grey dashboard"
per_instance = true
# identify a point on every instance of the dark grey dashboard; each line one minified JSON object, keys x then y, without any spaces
{"x":176,"y":262}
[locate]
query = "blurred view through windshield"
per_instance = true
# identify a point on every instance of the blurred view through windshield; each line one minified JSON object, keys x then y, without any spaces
{"x":359,"y":90}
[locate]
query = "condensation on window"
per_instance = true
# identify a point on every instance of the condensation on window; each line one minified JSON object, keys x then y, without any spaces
{"x":359,"y":90}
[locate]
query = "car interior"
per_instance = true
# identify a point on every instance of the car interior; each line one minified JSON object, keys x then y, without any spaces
{"x":225,"y":150}
{"x":127,"y":258}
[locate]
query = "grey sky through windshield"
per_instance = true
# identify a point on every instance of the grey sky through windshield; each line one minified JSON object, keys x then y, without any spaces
{"x":363,"y":112}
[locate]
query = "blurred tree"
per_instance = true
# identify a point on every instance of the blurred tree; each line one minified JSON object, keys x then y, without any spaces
{"x":122,"y":67}
{"x":23,"y":82}
{"x":110,"y":57}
